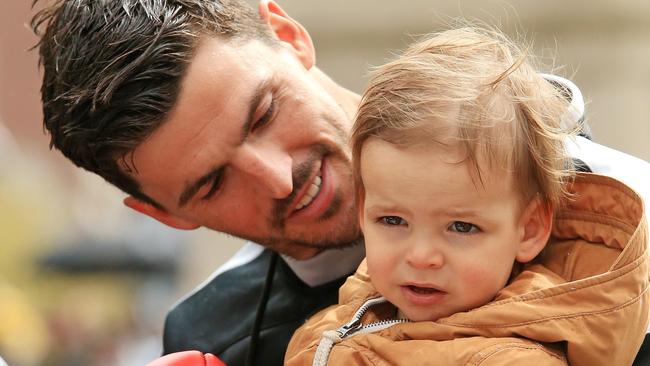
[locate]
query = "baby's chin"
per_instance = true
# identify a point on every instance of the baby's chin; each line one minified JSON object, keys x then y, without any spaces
{"x":426,"y":314}
{"x":422,"y":318}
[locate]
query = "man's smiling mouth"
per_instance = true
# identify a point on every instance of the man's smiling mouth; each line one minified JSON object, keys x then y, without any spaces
{"x":312,"y":191}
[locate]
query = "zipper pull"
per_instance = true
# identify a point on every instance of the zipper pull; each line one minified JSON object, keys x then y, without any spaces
{"x":355,"y":324}
{"x":350,"y":327}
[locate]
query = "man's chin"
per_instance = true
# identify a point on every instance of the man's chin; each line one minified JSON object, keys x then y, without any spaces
{"x":302,"y":249}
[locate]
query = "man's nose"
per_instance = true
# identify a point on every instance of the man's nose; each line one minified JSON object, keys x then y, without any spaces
{"x":270,"y":167}
{"x":423,"y":253}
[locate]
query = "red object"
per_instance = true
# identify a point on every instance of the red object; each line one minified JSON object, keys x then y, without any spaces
{"x":187,"y":358}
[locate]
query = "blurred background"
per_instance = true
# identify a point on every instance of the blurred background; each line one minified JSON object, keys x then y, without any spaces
{"x":84,"y":281}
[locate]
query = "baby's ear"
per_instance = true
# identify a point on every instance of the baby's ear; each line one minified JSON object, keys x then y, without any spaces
{"x":534,"y":229}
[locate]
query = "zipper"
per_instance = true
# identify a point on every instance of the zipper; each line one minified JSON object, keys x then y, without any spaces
{"x":330,"y":337}
{"x":355,"y":326}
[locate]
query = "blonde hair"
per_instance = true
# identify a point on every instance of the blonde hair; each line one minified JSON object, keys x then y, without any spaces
{"x":474,"y":87}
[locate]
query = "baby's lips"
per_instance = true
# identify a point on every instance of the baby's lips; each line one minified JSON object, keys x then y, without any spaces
{"x":187,"y":358}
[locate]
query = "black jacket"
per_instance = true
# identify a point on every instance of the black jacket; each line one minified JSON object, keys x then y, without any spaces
{"x":218,"y":317}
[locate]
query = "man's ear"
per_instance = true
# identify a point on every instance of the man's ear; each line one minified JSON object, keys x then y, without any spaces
{"x":160,"y":215}
{"x":290,"y":31}
{"x":534,"y":229}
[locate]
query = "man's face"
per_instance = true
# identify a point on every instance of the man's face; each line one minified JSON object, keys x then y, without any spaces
{"x":437,"y":242}
{"x":254,"y":147}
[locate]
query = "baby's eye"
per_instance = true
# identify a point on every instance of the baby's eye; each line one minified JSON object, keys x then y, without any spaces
{"x":463,"y":227}
{"x":392,"y":220}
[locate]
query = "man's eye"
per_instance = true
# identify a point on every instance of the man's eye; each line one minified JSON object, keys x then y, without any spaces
{"x":266,"y":118}
{"x":463,"y":227}
{"x":392,"y":221}
{"x":214,"y":186}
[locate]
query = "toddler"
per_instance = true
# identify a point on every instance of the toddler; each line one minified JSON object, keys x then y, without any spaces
{"x":483,"y":246}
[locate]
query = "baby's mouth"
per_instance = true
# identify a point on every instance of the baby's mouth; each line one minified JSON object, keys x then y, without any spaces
{"x":422,"y":290}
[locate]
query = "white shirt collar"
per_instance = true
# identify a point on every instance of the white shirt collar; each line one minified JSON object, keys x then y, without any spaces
{"x":328,"y":265}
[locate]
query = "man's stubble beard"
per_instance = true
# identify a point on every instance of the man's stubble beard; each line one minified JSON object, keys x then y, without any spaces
{"x":344,"y":234}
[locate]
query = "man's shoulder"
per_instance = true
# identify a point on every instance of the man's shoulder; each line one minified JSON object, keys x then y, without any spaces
{"x":249,"y":259}
{"x":218,"y":316}
{"x":244,"y":270}
{"x":219,"y":307}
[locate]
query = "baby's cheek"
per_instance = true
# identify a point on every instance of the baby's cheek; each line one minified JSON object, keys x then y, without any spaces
{"x":481,"y":284}
{"x":475,"y":276}
{"x":375,"y":265}
{"x":378,"y":259}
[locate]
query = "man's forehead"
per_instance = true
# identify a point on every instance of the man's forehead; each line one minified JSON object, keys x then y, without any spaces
{"x":218,"y":63}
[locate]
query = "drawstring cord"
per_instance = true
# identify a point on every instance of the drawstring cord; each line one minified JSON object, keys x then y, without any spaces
{"x":261,"y":309}
{"x":327,"y":341}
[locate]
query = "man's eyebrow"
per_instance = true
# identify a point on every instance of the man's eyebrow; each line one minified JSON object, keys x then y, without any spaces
{"x":256,"y":98}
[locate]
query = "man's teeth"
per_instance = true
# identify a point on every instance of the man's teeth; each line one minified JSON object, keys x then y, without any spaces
{"x":312,"y":191}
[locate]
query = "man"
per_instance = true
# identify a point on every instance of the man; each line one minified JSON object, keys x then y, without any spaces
{"x":208,"y":114}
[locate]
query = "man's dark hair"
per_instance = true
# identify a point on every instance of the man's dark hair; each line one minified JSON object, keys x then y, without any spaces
{"x":112,"y":71}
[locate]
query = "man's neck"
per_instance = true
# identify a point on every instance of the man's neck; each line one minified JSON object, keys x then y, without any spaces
{"x":348,"y":100}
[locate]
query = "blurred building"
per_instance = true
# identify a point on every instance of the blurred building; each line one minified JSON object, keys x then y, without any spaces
{"x":55,"y":219}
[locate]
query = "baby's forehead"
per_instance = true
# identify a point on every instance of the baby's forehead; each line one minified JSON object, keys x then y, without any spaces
{"x":481,"y":166}
{"x":432,"y":186}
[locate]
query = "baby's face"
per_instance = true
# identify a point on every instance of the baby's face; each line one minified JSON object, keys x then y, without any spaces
{"x":436,"y":242}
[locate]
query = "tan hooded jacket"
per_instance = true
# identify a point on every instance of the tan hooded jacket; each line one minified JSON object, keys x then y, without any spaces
{"x":584,"y":303}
